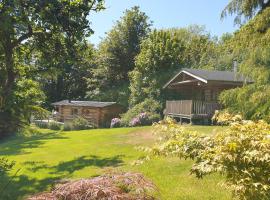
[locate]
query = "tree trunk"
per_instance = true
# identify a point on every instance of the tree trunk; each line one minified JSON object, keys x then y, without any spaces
{"x":6,"y":120}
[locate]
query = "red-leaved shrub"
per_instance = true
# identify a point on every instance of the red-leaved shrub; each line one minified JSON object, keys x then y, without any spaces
{"x":120,"y":186}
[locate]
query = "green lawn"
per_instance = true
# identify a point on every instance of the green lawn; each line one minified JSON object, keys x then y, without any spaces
{"x":50,"y":156}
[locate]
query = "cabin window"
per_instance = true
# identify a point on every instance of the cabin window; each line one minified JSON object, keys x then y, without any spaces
{"x":74,"y":111}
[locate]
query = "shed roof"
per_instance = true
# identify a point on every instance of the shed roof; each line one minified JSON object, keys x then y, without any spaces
{"x":209,"y":75}
{"x":96,"y":104}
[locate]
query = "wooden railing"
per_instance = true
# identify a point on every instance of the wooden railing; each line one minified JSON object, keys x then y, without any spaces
{"x":191,"y":107}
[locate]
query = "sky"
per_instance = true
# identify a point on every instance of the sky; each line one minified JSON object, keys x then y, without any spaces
{"x":165,"y":14}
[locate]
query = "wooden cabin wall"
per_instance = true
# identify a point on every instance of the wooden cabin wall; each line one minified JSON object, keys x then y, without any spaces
{"x":108,"y":113}
{"x":98,"y":117}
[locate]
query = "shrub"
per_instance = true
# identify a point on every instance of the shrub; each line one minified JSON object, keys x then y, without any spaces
{"x":5,"y":165}
{"x":135,"y":122}
{"x":149,"y":106}
{"x":55,"y":126}
{"x":141,"y":120}
{"x":241,"y":153}
{"x":116,"y":122}
{"x":129,"y":186}
{"x":68,"y":126}
{"x":80,"y":123}
{"x":225,"y":118}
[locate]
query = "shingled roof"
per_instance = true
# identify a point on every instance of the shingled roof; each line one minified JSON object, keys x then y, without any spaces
{"x":209,"y":75}
{"x":96,"y":104}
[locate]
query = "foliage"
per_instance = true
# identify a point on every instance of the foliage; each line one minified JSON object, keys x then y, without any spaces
{"x":64,"y":69}
{"x":244,"y":8}
{"x":250,"y":46}
{"x":26,"y":98}
{"x":55,"y":125}
{"x":24,"y":27}
{"x":80,"y":123}
{"x":142,"y":120}
{"x":149,"y":106}
{"x":225,"y":118}
{"x":115,"y":123}
{"x":241,"y":153}
{"x":163,"y":53}
{"x":129,"y":186}
{"x":115,"y":57}
{"x":5,"y":165}
{"x":256,"y":98}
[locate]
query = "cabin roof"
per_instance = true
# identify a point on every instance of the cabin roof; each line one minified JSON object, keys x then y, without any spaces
{"x":212,"y":75}
{"x":97,"y":104}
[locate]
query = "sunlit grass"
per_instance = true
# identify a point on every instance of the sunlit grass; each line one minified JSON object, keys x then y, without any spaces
{"x":51,"y":156}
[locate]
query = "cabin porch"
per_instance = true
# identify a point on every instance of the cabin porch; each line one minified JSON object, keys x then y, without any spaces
{"x":191,"y":110}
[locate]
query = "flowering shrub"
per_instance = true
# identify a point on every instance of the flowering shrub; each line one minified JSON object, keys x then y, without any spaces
{"x":135,"y":122}
{"x":241,"y":153}
{"x":141,"y":120}
{"x":149,"y":106}
{"x":144,"y":119}
{"x":225,"y":118}
{"x":116,"y":122}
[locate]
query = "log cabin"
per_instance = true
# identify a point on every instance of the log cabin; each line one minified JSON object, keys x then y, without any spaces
{"x":198,"y":92}
{"x":98,"y":114}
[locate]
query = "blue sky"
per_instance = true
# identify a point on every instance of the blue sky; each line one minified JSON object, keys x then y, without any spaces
{"x":165,"y":14}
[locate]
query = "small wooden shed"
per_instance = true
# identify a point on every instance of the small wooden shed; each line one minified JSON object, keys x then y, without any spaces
{"x":198,"y":92}
{"x":99,"y":114}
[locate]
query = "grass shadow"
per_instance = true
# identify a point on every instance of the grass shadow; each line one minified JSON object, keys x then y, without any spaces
{"x":86,"y":161}
{"x":17,"y":145}
{"x":23,"y":185}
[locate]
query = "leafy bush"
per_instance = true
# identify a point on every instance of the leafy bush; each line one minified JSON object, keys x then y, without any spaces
{"x":149,"y":106}
{"x":135,"y":122}
{"x":55,"y":125}
{"x":80,"y":123}
{"x":116,"y":122}
{"x":241,"y":153}
{"x":142,"y":119}
{"x":251,"y":101}
{"x":225,"y":118}
{"x":5,"y":165}
{"x":130,"y":186}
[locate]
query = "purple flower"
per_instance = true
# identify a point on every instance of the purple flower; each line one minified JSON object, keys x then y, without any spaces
{"x":115,"y":122}
{"x":135,"y":122}
{"x":143,"y":115}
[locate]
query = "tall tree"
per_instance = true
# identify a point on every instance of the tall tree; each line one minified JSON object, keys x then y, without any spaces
{"x":29,"y":23}
{"x":63,"y":69}
{"x":244,"y":9}
{"x":250,"y":46}
{"x":116,"y":55}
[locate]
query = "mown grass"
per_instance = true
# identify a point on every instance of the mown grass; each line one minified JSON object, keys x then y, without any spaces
{"x":49,"y":157}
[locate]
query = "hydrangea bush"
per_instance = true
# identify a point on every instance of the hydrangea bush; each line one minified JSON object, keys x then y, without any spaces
{"x":141,"y":120}
{"x":135,"y":122}
{"x":116,"y":122}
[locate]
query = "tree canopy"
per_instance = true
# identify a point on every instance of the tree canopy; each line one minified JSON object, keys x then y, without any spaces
{"x":24,"y":26}
{"x":244,"y":9}
{"x":115,"y":57}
